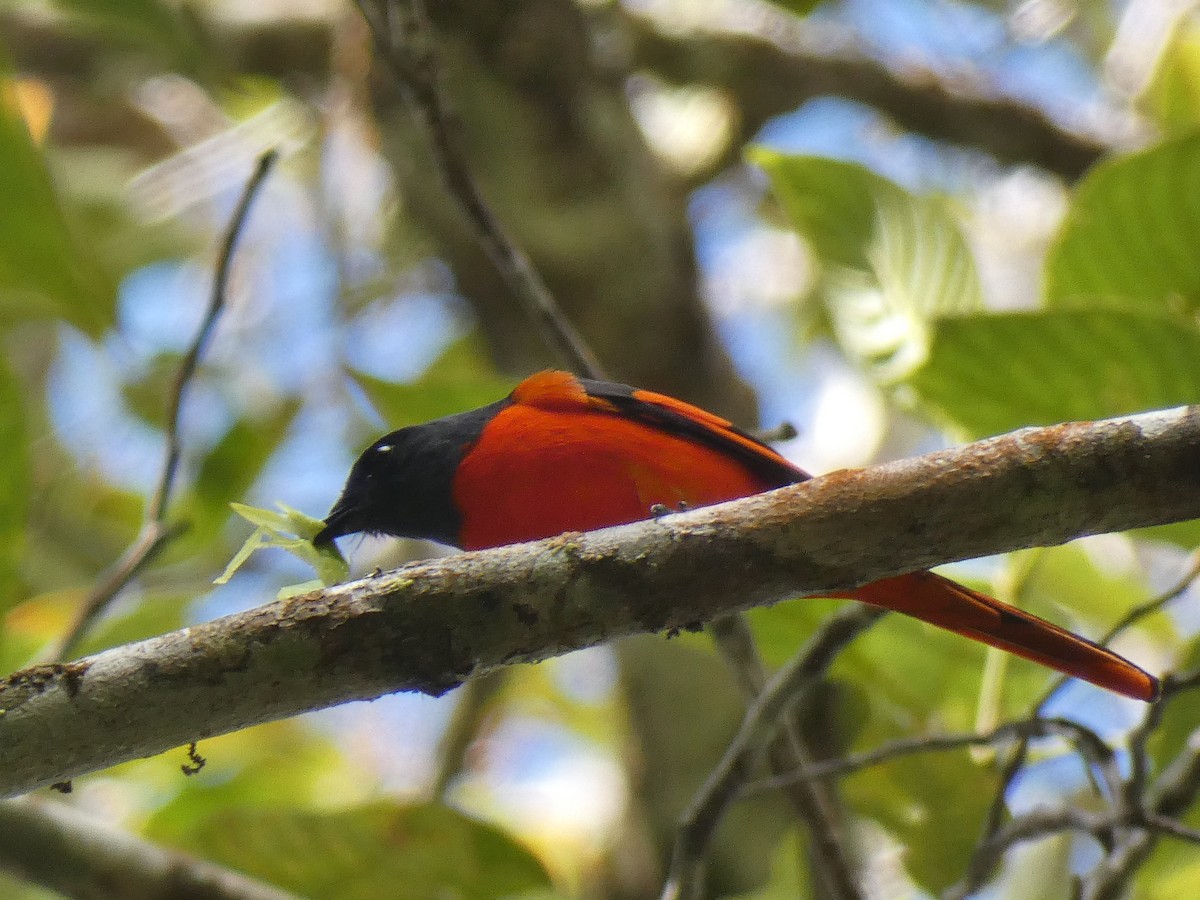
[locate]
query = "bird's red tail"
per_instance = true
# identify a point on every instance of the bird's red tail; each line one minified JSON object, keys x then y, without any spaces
{"x":957,"y":608}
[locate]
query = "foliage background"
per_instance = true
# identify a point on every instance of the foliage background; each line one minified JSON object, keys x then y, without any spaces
{"x":894,"y":224}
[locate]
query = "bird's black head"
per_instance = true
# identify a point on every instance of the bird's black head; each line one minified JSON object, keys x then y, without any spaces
{"x":402,"y":485}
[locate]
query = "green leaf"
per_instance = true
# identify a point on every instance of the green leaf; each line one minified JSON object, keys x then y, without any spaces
{"x":277,"y":765}
{"x":789,"y":879}
{"x":45,"y":271}
{"x":461,"y":379}
{"x":933,"y":806}
{"x":798,"y":7}
{"x":1172,"y":871}
{"x":1181,"y":534}
{"x":149,"y":23}
{"x":422,"y":851}
{"x":1040,"y":870}
{"x":1131,"y":233}
{"x":15,"y":484}
{"x":831,"y":203}
{"x":14,"y":888}
{"x":1174,"y":94}
{"x":896,"y":262}
{"x":991,"y":374}
{"x":275,"y":529}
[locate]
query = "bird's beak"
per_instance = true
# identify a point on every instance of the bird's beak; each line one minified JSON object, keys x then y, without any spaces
{"x":341,"y":520}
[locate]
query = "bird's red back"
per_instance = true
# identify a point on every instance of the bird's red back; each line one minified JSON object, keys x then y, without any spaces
{"x":567,"y":455}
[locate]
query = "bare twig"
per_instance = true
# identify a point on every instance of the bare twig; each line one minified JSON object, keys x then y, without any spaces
{"x":48,"y":843}
{"x":216,"y":305}
{"x":473,"y":698}
{"x":1087,"y":743}
{"x":1016,"y":759}
{"x":157,"y":532}
{"x":1156,"y":809}
{"x":1171,"y":827}
{"x":815,"y":803}
{"x":1154,"y":604}
{"x":404,"y":40}
{"x":783,"y":64}
{"x":787,"y":687}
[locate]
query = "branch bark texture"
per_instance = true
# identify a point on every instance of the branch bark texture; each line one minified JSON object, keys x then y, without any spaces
{"x":49,"y":843}
{"x":430,"y":625}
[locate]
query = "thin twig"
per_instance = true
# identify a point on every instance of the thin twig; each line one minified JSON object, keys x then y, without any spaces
{"x":1171,"y":827}
{"x":216,"y":305}
{"x":404,"y":39}
{"x":156,"y":533}
{"x":815,"y":803}
{"x":1088,"y":744}
{"x":51,"y":844}
{"x":472,"y":701}
{"x":1017,"y":758}
{"x":1119,"y":862}
{"x":788,"y":686}
{"x":1154,"y":810}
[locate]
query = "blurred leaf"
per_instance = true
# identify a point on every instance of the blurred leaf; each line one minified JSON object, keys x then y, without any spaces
{"x":992,"y":374}
{"x":788,"y":880}
{"x":1181,"y":534}
{"x":780,"y":630}
{"x":1131,"y":233}
{"x":95,"y":184}
{"x":15,"y":484}
{"x":231,"y":467}
{"x":152,"y":24}
{"x":420,"y":851}
{"x":44,"y":270}
{"x":1174,"y":94}
{"x":1173,"y":870}
{"x":274,"y":530}
{"x":460,"y":380}
{"x":78,"y":525}
{"x":1068,"y":579}
{"x":933,"y":805}
{"x":1040,"y":870}
{"x":14,"y":888}
{"x":284,"y":764}
{"x":831,"y":203}
{"x":32,"y":624}
{"x":931,"y":675}
{"x":897,"y":262}
{"x":146,"y":395}
{"x":150,"y":616}
{"x":911,"y":672}
{"x":683,"y":708}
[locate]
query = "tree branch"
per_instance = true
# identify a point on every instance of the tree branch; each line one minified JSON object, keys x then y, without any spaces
{"x":404,"y":41}
{"x":428,"y":626}
{"x":1089,"y":745}
{"x":790,"y":686}
{"x":770,"y":75}
{"x":817,"y":805}
{"x":48,"y":843}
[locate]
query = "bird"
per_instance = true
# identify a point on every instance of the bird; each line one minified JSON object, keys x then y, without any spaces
{"x":562,"y":453}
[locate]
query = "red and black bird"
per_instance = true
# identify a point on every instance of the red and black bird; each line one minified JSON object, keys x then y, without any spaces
{"x":567,"y":454}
